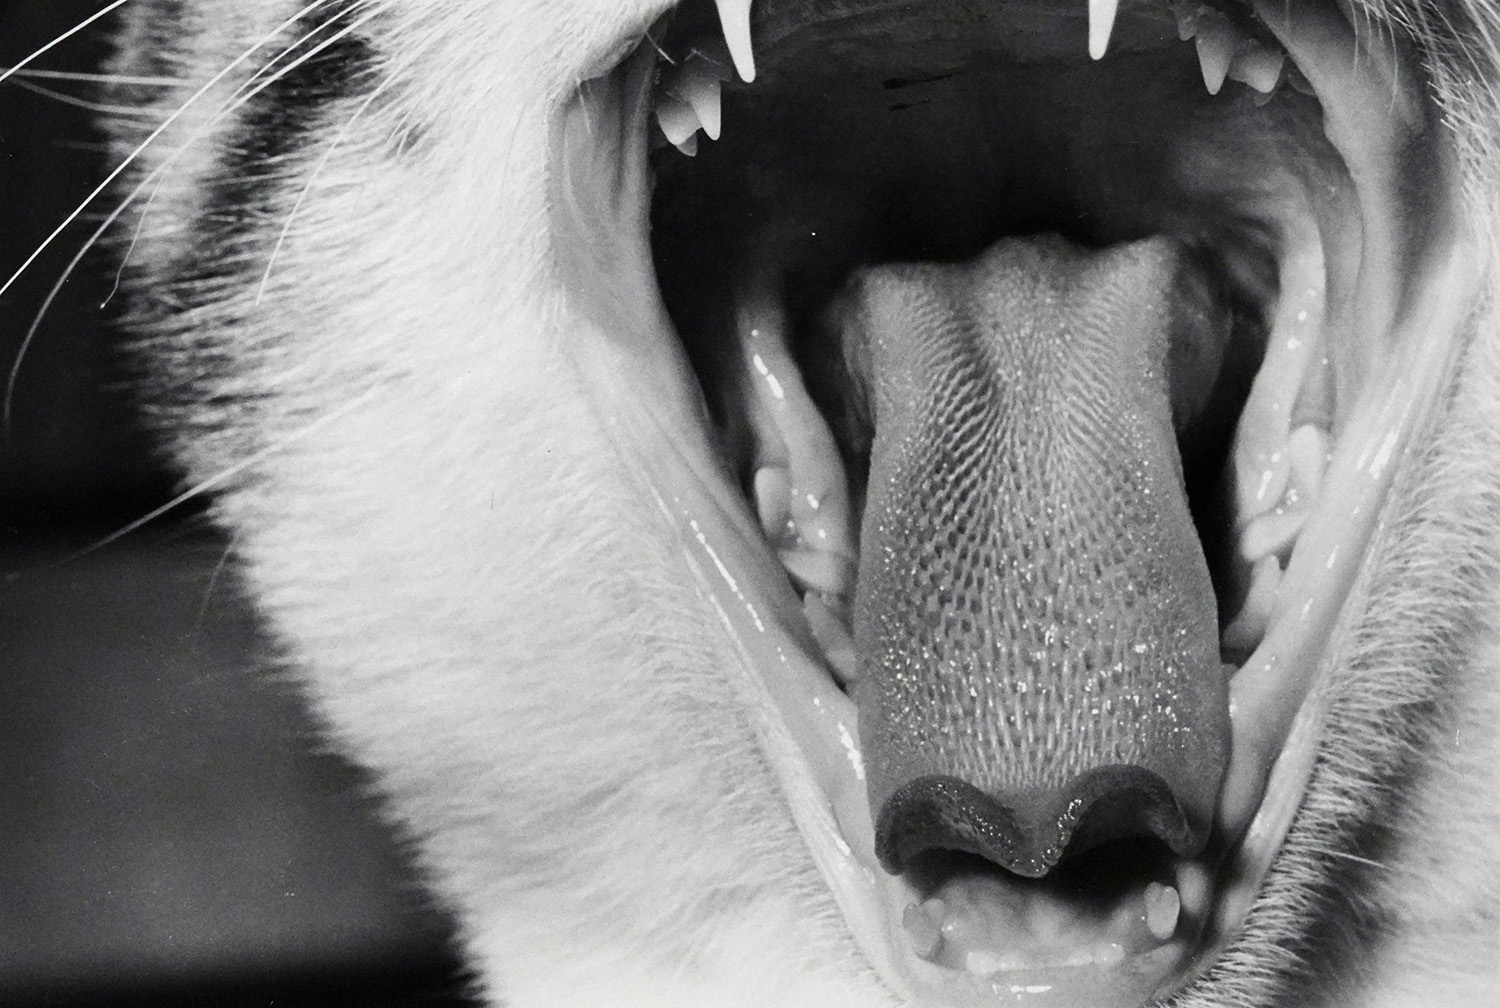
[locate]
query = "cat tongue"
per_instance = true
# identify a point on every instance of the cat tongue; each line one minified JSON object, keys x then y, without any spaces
{"x":1034,"y":618}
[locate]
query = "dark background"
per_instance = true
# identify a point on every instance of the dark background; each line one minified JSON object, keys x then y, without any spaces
{"x":171,"y":831}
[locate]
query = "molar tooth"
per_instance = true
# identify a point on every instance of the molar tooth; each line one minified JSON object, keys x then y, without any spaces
{"x":1216,"y":39}
{"x":677,"y":120}
{"x":734,"y":17}
{"x":1163,"y":904}
{"x":1101,"y":24}
{"x":1258,"y":67}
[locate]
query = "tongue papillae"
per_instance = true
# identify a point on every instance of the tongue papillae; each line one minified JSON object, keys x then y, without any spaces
{"x":1034,"y":615}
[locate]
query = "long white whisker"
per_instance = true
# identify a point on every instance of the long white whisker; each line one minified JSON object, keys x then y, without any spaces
{"x":123,"y":111}
{"x":81,"y":77}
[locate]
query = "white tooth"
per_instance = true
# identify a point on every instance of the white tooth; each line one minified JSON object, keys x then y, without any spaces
{"x":1163,"y":904}
{"x":838,"y":647}
{"x":1258,"y":67}
{"x":677,"y":120}
{"x":1244,"y":634}
{"x":698,"y":85}
{"x":1215,"y":42}
{"x":1307,"y":448}
{"x":1101,"y":24}
{"x":734,"y":17}
{"x":773,"y":491}
{"x":920,"y":929}
{"x":1272,"y":533}
{"x":689,"y":146}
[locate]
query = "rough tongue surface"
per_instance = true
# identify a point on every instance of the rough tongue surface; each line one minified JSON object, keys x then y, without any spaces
{"x":1034,"y":618}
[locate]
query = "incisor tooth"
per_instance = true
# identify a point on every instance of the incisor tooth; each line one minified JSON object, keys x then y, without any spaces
{"x":1101,"y":24}
{"x":1215,"y":41}
{"x":734,"y":18}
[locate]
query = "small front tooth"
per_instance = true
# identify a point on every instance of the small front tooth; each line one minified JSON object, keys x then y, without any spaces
{"x":1258,"y":67}
{"x":1215,"y":41}
{"x":677,"y":120}
{"x":1101,"y":25}
{"x":1163,"y":905}
{"x":734,"y":18}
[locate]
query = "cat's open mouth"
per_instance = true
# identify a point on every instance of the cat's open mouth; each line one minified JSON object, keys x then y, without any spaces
{"x":1033,"y":764}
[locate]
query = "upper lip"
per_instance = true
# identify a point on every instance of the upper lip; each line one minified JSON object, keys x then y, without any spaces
{"x":1386,"y":235}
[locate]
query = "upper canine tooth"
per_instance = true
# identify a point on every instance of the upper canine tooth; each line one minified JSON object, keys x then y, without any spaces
{"x":1216,"y":40}
{"x":734,"y":17}
{"x":1101,"y":24}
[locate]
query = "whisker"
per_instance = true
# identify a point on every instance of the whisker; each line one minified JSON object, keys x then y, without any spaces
{"x":82,"y":77}
{"x":123,"y":111}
